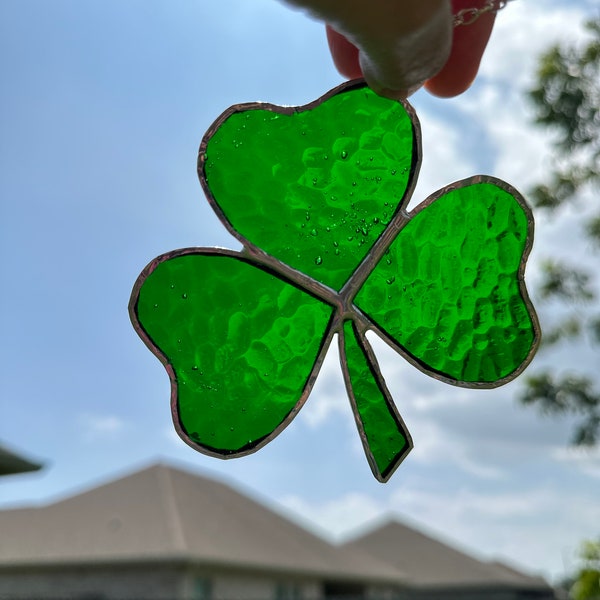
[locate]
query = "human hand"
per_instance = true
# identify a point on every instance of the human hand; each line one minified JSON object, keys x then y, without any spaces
{"x":398,"y":49}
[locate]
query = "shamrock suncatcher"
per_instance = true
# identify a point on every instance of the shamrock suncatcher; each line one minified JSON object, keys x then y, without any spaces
{"x":317,"y":195}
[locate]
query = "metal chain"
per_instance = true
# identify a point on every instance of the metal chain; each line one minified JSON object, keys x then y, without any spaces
{"x":466,"y":16}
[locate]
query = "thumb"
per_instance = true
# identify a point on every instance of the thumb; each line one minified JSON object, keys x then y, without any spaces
{"x":398,"y":66}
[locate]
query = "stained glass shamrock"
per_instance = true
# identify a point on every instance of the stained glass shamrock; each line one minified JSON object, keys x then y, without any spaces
{"x":317,"y":195}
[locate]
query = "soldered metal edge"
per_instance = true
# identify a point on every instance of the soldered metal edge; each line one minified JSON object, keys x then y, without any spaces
{"x":338,"y":299}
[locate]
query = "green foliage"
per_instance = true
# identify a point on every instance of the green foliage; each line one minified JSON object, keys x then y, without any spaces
{"x":572,"y":394}
{"x":568,"y":284}
{"x":587,"y":579}
{"x":566,"y":98}
{"x":593,"y":230}
{"x":568,"y":93}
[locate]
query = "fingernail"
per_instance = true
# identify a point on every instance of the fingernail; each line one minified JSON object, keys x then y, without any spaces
{"x":398,"y":94}
{"x":413,"y":89}
{"x":392,"y":94}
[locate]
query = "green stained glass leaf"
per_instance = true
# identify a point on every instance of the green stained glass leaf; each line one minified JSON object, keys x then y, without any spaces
{"x":449,"y":289}
{"x":317,"y":195}
{"x":241,"y":343}
{"x":313,"y":188}
{"x":382,"y":430}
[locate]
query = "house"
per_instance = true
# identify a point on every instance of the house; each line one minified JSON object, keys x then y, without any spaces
{"x":164,"y":533}
{"x":436,"y":571}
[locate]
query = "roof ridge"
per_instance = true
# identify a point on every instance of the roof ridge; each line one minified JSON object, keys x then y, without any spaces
{"x":165,"y":481}
{"x":390,"y":539}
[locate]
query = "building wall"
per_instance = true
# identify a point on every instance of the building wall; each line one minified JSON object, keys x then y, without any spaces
{"x":387,"y":593}
{"x":482,"y":594}
{"x":116,"y":583}
{"x":244,"y":585}
{"x":151,"y":583}
{"x":163,"y":582}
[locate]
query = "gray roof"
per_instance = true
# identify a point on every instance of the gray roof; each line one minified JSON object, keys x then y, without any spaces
{"x":163,"y":514}
{"x":166,"y":514}
{"x":429,"y":563}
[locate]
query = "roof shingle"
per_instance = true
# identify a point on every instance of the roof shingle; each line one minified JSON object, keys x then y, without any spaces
{"x":429,"y":563}
{"x":166,"y":514}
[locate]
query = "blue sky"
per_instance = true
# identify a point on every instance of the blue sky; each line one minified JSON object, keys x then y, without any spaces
{"x":102,"y":109}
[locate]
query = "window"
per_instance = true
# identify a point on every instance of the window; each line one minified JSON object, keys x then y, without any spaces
{"x":202,"y":589}
{"x":288,"y":591}
{"x":344,"y":590}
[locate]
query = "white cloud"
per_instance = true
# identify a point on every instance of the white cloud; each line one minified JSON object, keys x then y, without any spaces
{"x":435,"y":446}
{"x":335,"y":517}
{"x":328,"y":399}
{"x":585,"y":460}
{"x":172,"y":437}
{"x":534,"y":528}
{"x":443,"y":160}
{"x":481,"y":433}
{"x":96,"y":427}
{"x":495,"y":112}
{"x":524,"y":30}
{"x":531,"y":525}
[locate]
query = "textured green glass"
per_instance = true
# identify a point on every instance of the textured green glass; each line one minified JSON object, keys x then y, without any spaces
{"x":447,"y":290}
{"x":242,"y":344}
{"x":384,"y":433}
{"x":315,"y":188}
{"x":317,"y":195}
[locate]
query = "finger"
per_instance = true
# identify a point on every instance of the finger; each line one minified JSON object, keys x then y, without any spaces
{"x":344,"y":54}
{"x":468,"y":45}
{"x":346,"y":60}
{"x":404,"y":61}
{"x":398,"y":67}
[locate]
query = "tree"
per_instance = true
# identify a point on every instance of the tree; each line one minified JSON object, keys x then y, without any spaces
{"x":566,"y":98}
{"x":587,"y":578}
